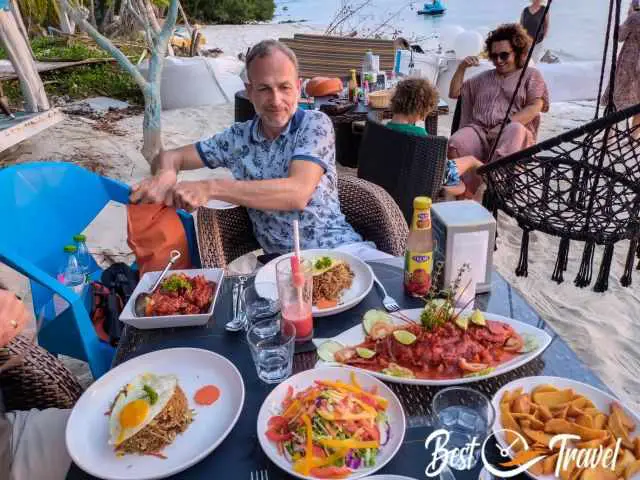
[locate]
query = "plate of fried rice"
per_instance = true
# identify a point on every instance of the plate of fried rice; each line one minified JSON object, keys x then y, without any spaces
{"x":340,"y":280}
{"x":155,"y":415}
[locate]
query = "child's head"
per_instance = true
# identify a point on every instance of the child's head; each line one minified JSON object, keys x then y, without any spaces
{"x":414,"y":98}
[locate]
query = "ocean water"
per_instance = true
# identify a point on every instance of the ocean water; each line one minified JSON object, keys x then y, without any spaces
{"x":577,"y":27}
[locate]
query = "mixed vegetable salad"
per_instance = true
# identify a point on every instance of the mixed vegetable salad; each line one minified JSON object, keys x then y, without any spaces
{"x":331,"y":428}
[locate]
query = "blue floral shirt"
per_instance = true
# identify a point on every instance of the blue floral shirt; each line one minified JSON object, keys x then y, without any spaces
{"x":250,"y":156}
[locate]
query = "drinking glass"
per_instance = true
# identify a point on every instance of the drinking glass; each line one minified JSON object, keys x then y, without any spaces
{"x":465,"y":414}
{"x":260,"y":302}
{"x":272,"y":352}
{"x":296,"y":300}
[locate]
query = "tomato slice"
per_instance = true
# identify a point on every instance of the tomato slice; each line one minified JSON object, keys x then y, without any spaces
{"x":277,"y":422}
{"x":278,"y":437}
{"x":331,"y":472}
{"x":318,"y":452}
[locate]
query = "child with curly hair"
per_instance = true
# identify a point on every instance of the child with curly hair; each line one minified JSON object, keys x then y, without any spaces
{"x":413,"y":100}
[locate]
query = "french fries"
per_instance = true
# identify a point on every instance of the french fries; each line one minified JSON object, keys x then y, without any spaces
{"x":547,"y":411}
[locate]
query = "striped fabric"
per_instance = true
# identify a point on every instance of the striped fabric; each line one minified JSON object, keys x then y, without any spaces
{"x":320,"y":55}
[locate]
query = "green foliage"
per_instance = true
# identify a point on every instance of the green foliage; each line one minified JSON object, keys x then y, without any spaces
{"x":230,"y":11}
{"x":107,"y":80}
{"x":62,"y":49}
{"x":39,"y":12}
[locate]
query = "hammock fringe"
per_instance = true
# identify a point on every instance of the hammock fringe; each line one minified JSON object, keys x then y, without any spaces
{"x":602,"y":282}
{"x":583,"y":279}
{"x":626,"y":278}
{"x":561,"y":260}
{"x":523,"y":264}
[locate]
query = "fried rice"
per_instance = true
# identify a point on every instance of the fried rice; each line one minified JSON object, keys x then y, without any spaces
{"x":330,"y":284}
{"x":174,"y":418}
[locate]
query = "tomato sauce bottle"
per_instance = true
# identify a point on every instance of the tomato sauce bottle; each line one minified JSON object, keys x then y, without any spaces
{"x":418,"y":263}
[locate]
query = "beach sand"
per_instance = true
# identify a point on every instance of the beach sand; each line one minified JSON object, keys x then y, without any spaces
{"x":599,"y":327}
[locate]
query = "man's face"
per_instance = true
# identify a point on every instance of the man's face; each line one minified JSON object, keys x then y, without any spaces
{"x":503,"y":57}
{"x":273,"y":89}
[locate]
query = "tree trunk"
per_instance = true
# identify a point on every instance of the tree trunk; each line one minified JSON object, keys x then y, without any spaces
{"x":67,"y":25}
{"x":20,"y":56}
{"x":152,"y":123}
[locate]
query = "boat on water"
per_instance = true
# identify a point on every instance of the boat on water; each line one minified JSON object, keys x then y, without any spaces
{"x":434,"y":8}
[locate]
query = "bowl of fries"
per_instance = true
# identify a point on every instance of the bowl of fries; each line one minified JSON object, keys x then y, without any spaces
{"x":560,"y":428}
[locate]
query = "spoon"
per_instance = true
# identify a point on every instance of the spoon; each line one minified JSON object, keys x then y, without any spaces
{"x":140,"y":304}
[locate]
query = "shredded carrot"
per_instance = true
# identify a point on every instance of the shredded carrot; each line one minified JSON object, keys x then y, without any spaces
{"x":207,"y":395}
{"x":157,"y":455}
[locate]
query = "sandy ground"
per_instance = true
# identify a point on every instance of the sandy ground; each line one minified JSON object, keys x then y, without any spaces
{"x":585,"y":319}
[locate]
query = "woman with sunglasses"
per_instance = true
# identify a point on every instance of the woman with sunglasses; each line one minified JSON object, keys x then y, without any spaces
{"x":485,"y":99}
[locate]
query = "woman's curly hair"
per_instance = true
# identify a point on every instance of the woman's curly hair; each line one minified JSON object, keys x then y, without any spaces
{"x":414,"y":96}
{"x":516,"y":35}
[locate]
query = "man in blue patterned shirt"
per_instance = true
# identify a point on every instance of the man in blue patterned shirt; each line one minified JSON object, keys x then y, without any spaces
{"x":283,"y":163}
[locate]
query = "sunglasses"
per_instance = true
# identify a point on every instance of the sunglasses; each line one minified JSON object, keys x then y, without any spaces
{"x":503,"y":56}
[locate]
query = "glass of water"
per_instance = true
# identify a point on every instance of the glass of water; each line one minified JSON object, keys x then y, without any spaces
{"x":272,"y":349}
{"x":467,"y":416}
{"x":260,"y":302}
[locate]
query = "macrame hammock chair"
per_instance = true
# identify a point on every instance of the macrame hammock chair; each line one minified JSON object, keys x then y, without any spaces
{"x":583,"y":185}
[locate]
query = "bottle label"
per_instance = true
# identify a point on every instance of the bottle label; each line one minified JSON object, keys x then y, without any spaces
{"x":417,"y":272}
{"x":422,"y":220}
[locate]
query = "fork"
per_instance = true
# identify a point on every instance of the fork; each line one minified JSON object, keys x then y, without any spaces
{"x":390,"y":305}
{"x":260,"y":475}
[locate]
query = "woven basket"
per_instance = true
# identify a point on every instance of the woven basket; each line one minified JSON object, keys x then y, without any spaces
{"x":380,"y":98}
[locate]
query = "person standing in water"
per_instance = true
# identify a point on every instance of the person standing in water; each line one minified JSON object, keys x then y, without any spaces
{"x":530,"y":20}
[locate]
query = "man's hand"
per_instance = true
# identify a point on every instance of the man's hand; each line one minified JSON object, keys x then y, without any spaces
{"x":470,"y":62}
{"x":13,"y":316}
{"x":191,"y":195}
{"x":156,"y":189}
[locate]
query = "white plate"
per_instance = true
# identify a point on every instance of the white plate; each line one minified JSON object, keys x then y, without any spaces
{"x":599,"y":398}
{"x":271,"y":406}
{"x":356,"y":335}
{"x":360,"y":288}
{"x":220,"y":205}
{"x":144,"y":285}
{"x":88,"y":427}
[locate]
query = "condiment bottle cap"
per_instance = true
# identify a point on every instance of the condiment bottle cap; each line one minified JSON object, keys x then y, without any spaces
{"x":422,"y":203}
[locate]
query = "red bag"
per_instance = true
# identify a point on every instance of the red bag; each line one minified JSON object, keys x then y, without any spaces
{"x":154,"y":230}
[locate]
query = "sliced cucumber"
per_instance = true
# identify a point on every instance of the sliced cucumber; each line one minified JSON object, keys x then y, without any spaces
{"x":530,"y":344}
{"x":481,"y":373}
{"x":374,"y":316}
{"x":327,"y":350}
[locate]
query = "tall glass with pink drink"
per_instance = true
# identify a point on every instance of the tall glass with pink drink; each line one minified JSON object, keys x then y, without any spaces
{"x":295,"y":290}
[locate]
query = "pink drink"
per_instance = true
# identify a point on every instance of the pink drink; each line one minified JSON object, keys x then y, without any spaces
{"x":301,"y":318}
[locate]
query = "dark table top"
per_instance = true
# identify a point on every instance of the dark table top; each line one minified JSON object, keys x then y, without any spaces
{"x":241,"y":448}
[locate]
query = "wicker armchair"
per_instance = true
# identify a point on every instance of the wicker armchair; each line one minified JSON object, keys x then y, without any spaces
{"x":406,"y":166}
{"x":225,"y":235}
{"x":41,"y":381}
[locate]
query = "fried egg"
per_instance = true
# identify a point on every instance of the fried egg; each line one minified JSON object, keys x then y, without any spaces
{"x":138,"y":404}
{"x":321,"y":265}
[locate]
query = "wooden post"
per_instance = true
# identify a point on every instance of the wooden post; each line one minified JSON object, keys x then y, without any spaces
{"x":20,"y":56}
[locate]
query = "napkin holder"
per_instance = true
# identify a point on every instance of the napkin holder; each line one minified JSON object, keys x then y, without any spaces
{"x":464,"y":232}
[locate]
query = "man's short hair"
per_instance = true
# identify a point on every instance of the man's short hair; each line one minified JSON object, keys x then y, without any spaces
{"x":266,"y":48}
{"x":414,"y":96}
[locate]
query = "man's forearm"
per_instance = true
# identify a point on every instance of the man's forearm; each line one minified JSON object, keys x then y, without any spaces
{"x":183,"y":158}
{"x":282,"y":194}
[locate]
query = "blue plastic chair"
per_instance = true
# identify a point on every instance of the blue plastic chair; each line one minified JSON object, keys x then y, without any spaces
{"x":42,"y":205}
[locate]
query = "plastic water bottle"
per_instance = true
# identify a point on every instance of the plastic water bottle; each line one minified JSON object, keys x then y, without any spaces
{"x":83,"y":255}
{"x":70,"y":274}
